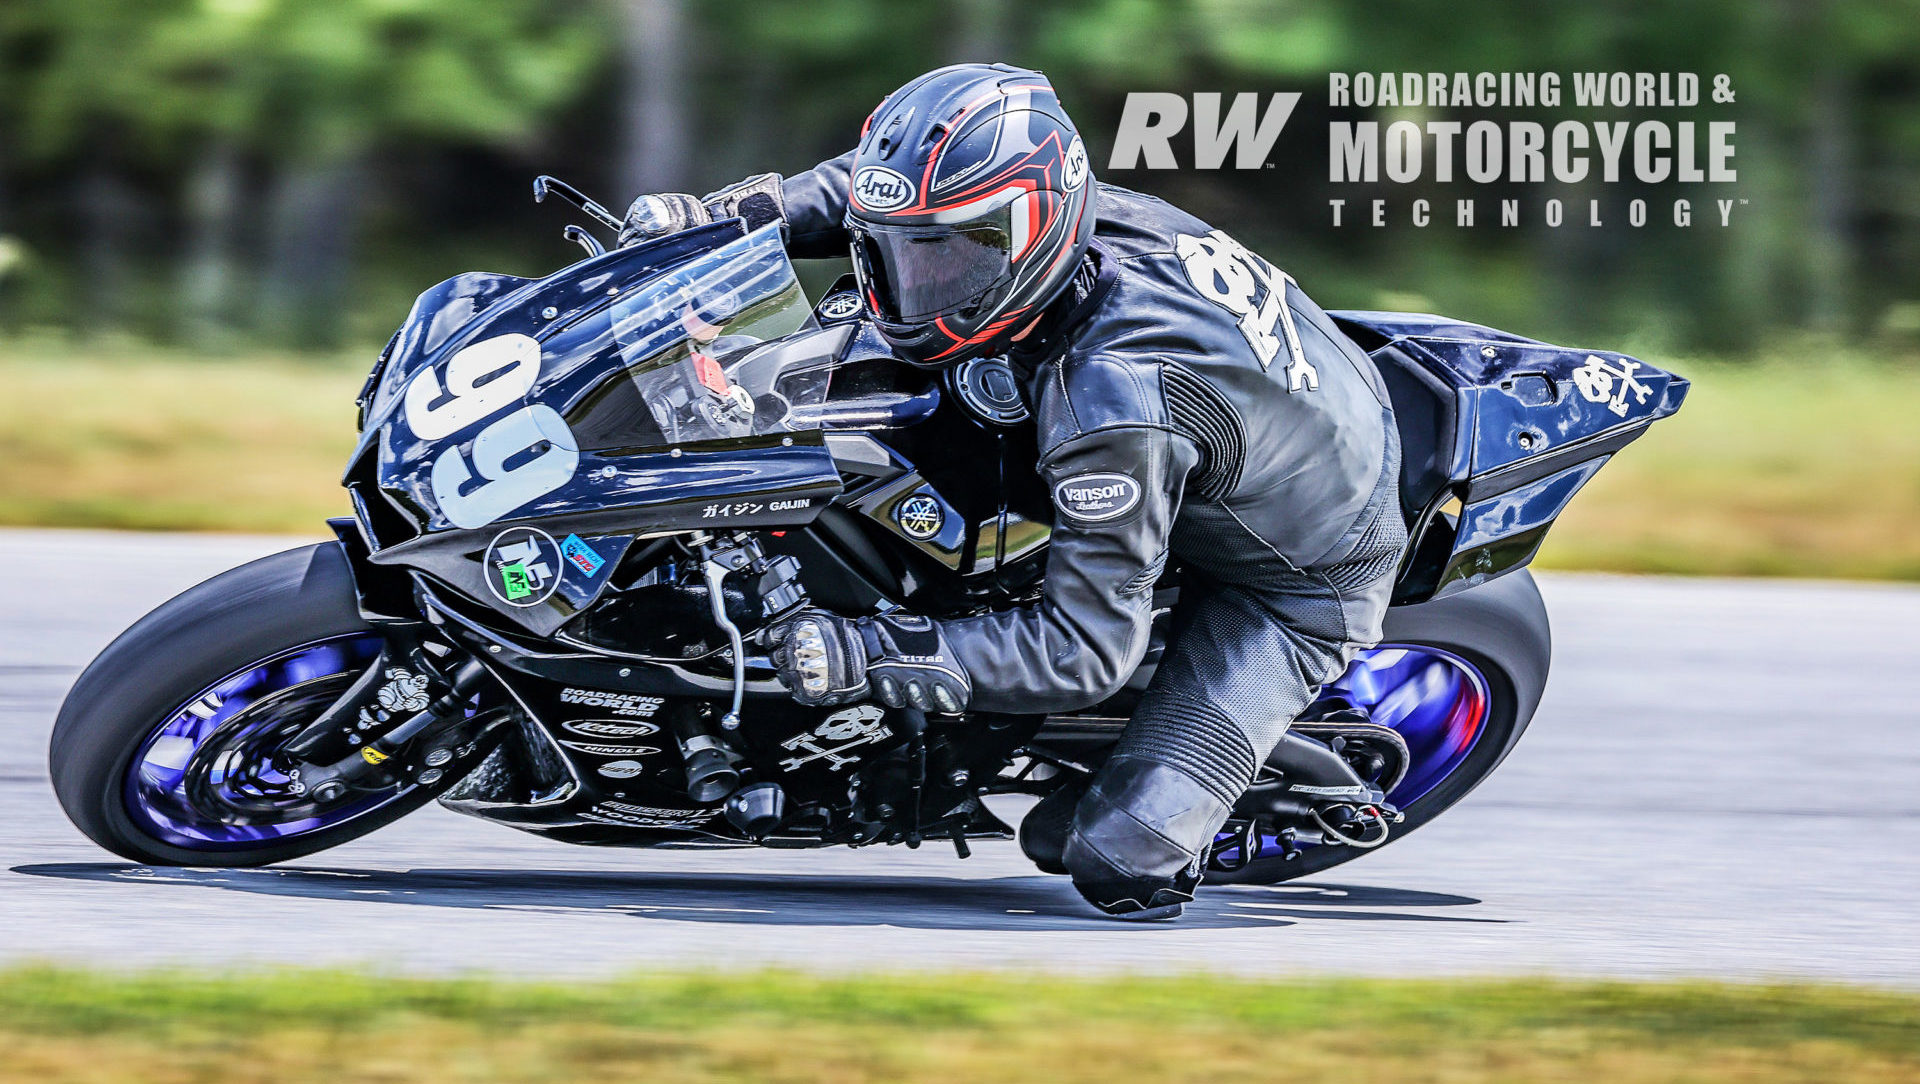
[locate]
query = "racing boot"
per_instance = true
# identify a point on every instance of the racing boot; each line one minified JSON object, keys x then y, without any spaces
{"x":1139,"y":838}
{"x":1043,"y":832}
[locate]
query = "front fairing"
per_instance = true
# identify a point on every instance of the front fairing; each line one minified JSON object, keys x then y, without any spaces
{"x":545,"y":425}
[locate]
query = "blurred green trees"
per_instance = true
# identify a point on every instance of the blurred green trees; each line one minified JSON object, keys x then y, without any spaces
{"x":230,"y":118}
{"x":289,"y":171}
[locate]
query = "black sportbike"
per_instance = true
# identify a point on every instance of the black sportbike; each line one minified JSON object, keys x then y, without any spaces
{"x":580,"y":500}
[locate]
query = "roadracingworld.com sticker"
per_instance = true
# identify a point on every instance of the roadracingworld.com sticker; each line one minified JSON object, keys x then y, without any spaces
{"x":1095,"y":498}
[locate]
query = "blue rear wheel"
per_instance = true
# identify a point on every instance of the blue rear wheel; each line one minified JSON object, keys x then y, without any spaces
{"x":1436,"y":701}
{"x":1458,"y":680}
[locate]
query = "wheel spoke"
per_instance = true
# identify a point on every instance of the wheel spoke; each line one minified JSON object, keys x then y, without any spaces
{"x":205,"y":778}
{"x":1435,"y":700}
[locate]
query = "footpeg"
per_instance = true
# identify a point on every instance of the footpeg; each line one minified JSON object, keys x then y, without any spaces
{"x":1242,"y":839}
{"x":1289,"y":841}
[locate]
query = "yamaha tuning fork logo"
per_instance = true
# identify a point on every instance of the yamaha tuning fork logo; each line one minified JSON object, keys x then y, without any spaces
{"x":840,"y":306}
{"x":920,"y":517}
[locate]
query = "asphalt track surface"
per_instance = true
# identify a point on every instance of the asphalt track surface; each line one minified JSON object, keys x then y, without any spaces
{"x":1720,"y":782}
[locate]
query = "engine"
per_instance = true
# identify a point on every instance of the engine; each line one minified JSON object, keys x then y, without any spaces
{"x":726,"y":755}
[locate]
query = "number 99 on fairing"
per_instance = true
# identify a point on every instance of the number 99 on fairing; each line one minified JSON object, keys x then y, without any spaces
{"x":480,"y":380}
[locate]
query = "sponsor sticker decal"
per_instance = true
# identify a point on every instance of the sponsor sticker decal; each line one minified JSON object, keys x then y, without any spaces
{"x":647,"y":816}
{"x":846,"y":729}
{"x":404,"y":691}
{"x":1596,"y":381}
{"x":878,"y":188}
{"x":522,"y":566}
{"x":610,"y":729}
{"x":631,"y":705}
{"x":594,"y":750}
{"x":1096,"y":497}
{"x":581,"y":556}
{"x":621,"y":769}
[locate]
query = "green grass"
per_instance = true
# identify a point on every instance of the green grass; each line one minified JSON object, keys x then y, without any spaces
{"x":1802,"y":465}
{"x":296,"y":1026}
{"x":127,"y":439}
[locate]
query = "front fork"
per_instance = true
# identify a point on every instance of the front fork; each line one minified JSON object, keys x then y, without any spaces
{"x":406,"y":698}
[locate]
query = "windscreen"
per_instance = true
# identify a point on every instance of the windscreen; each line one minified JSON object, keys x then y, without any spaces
{"x":721,"y":348}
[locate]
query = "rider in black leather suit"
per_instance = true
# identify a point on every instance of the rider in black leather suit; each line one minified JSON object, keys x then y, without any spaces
{"x":1191,"y":402}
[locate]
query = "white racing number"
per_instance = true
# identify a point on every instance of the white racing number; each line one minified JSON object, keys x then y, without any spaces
{"x":1227,"y":274}
{"x":518,"y":457}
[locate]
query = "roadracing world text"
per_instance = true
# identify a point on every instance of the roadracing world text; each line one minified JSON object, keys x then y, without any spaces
{"x":1628,"y":128}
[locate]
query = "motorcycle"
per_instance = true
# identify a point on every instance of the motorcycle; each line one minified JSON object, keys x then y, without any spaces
{"x":579,"y":501}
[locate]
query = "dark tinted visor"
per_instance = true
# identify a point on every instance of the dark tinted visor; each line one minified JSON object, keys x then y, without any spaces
{"x":917,"y":272}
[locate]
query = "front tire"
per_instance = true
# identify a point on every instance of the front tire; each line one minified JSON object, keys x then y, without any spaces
{"x":277,"y":637}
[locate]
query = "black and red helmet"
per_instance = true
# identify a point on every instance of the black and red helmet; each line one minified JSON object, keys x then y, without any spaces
{"x":971,"y":204}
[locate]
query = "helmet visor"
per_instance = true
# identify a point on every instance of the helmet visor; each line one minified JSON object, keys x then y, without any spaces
{"x":919,"y":272}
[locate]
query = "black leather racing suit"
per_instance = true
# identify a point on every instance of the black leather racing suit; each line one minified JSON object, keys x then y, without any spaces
{"x":1190,"y":400}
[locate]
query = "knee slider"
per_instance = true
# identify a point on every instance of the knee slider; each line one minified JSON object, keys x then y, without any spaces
{"x":1138,"y":835}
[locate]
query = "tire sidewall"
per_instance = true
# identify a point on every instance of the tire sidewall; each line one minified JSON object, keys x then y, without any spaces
{"x":208,"y":632}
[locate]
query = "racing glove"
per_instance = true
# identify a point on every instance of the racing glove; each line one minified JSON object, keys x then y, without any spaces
{"x":821,"y":657}
{"x":902,"y":660}
{"x":757,"y":199}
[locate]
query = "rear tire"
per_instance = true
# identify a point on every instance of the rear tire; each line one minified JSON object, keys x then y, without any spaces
{"x":148,"y":674}
{"x":1501,"y":629}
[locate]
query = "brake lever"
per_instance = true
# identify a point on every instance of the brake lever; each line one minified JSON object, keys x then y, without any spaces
{"x":543,"y":185}
{"x":585,"y":240}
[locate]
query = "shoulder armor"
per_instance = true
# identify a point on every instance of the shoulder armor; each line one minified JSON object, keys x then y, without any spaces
{"x":1085,"y":394}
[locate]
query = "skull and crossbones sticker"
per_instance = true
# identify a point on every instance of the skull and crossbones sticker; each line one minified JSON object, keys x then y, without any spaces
{"x":846,"y":729}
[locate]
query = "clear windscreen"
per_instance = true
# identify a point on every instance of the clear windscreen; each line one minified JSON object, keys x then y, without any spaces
{"x":720,"y":349}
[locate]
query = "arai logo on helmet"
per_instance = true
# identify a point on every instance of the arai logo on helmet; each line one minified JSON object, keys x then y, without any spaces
{"x":881,"y":189}
{"x":1074,"y":174}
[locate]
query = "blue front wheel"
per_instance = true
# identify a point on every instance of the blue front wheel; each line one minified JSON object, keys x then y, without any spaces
{"x":165,"y":751}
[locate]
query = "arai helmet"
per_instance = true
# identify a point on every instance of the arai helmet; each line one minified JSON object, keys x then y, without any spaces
{"x":971,"y":203}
